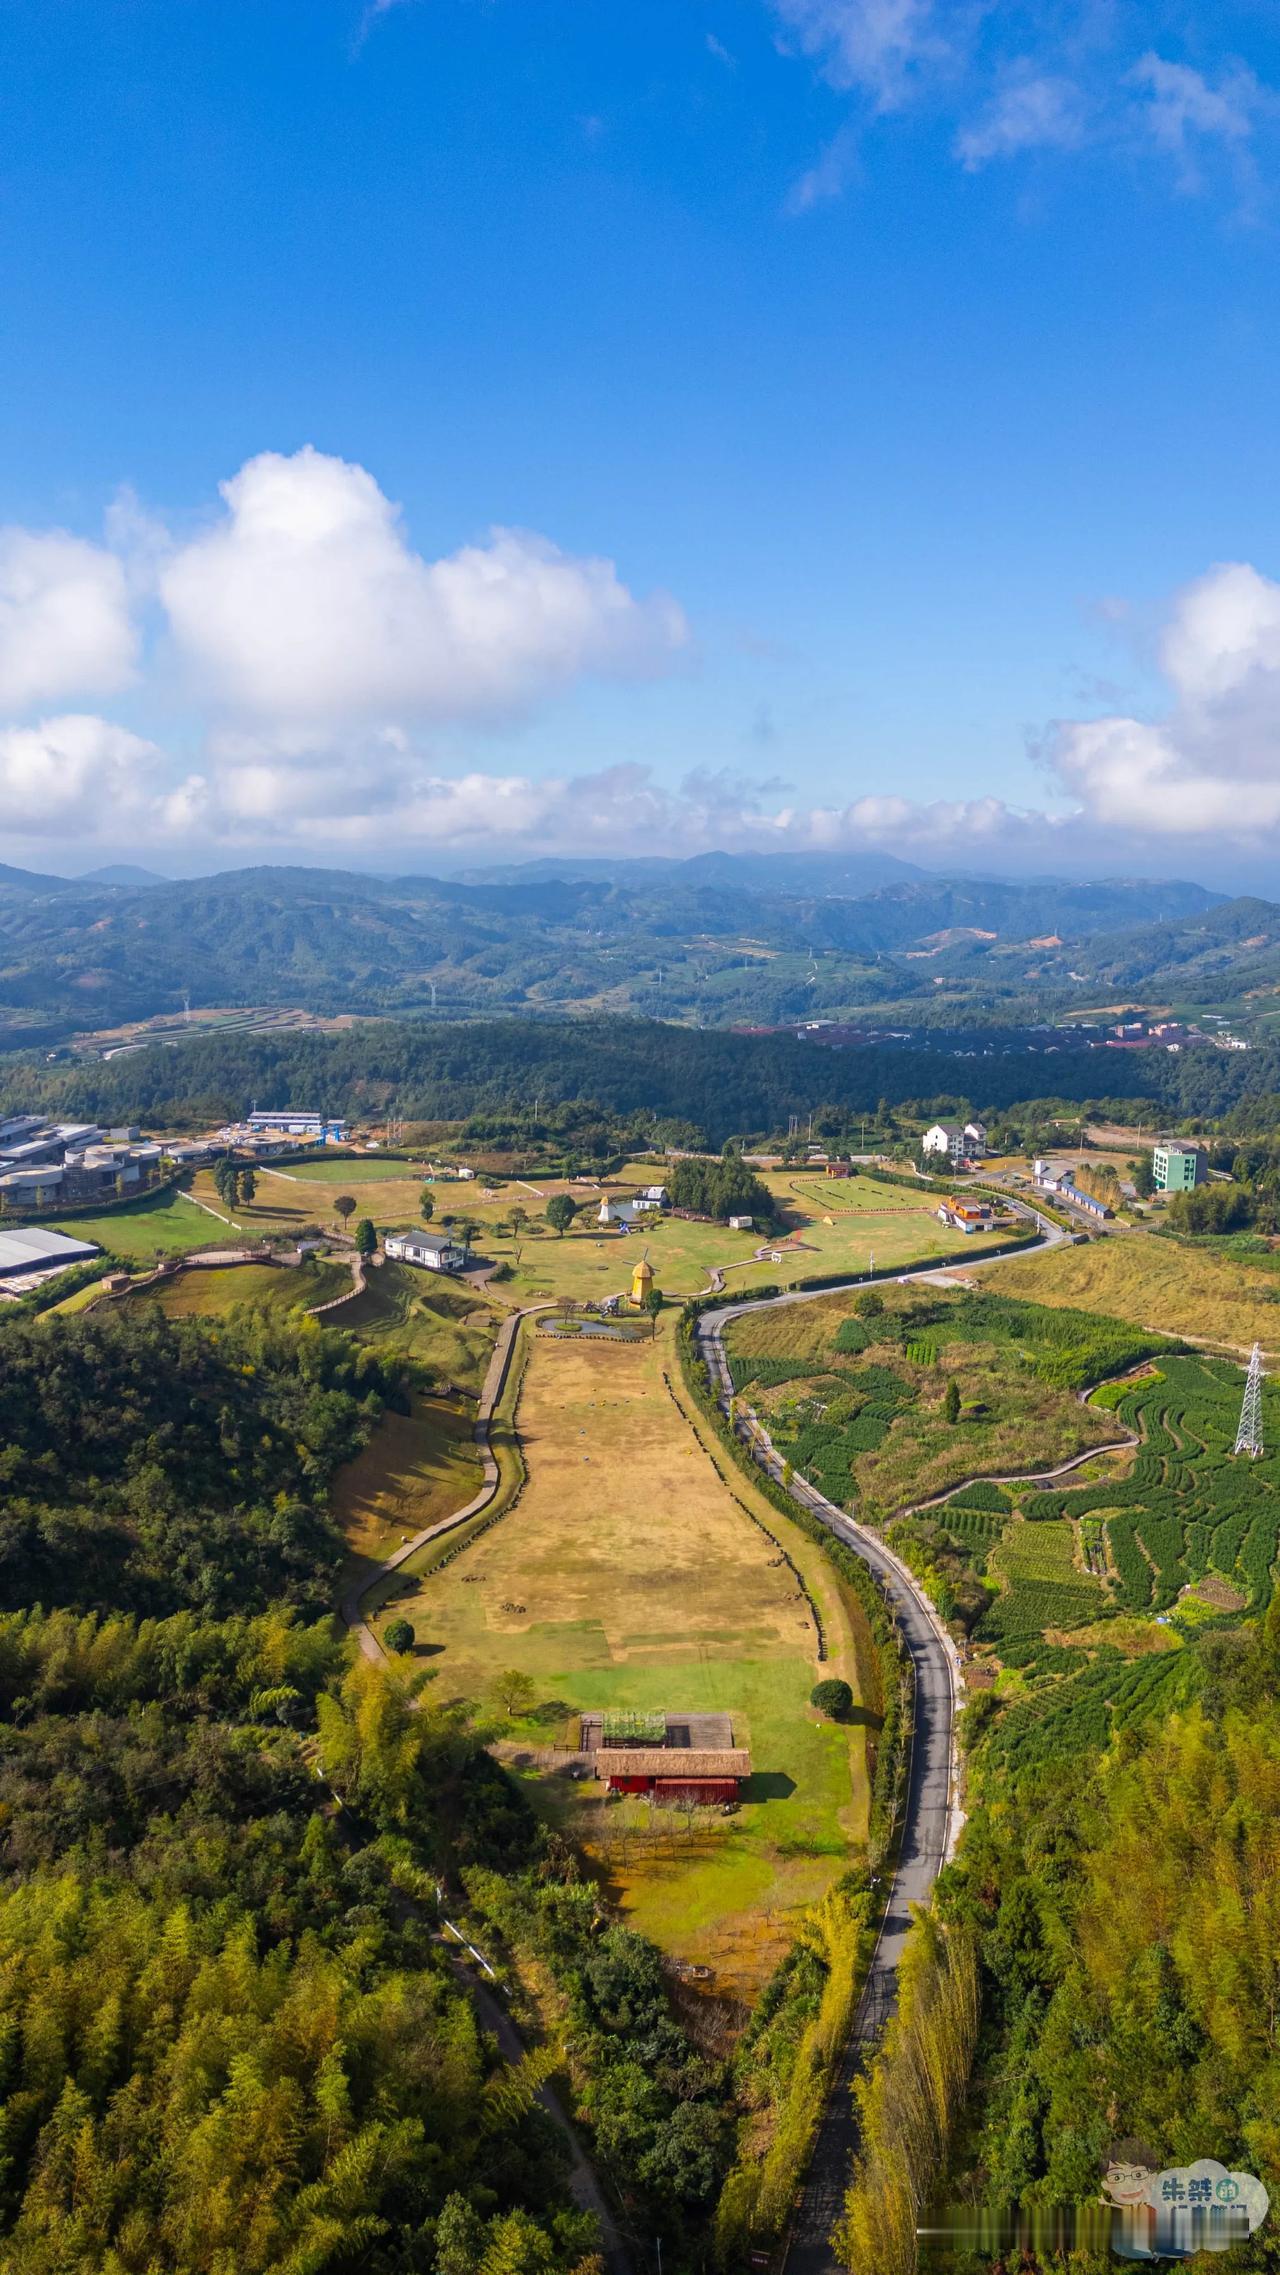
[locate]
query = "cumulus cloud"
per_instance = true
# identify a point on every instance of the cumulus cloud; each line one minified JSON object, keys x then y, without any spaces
{"x":1211,"y":766}
{"x":78,"y":769}
{"x":65,"y":626}
{"x":305,"y":602}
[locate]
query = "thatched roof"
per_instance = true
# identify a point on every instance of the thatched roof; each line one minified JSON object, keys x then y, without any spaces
{"x":673,"y":1762}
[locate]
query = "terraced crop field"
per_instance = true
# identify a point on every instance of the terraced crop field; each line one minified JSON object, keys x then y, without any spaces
{"x":1190,"y":1507}
{"x":856,"y":1398}
{"x":1044,"y":1588}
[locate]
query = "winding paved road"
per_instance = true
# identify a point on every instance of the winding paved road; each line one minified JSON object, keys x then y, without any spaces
{"x":933,"y":1816}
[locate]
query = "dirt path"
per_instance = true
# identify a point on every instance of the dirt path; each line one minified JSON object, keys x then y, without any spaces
{"x":495,"y":1383}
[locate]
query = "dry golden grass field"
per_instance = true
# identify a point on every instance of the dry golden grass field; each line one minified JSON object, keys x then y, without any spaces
{"x":1178,"y":1287}
{"x":627,"y":1574}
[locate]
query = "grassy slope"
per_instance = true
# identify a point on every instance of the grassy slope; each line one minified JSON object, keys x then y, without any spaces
{"x":168,"y":1221}
{"x":1175,"y":1286}
{"x":643,"y":1584}
{"x":428,"y":1319}
{"x":417,"y":1468}
{"x":211,"y":1294}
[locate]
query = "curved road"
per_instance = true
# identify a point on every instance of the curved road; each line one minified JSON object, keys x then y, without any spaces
{"x":933,"y":1817}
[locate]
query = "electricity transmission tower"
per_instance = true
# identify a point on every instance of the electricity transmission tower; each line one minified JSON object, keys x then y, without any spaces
{"x":1249,"y":1434}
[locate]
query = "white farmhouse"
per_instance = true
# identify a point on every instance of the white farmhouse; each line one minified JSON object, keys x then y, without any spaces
{"x":430,"y":1255}
{"x":946,"y":1138}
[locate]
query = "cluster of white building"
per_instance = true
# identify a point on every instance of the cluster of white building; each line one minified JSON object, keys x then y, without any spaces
{"x":43,"y":1163}
{"x":957,"y":1141}
{"x":625,"y":1213}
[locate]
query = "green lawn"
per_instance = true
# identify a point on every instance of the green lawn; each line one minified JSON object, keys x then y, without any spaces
{"x":896,"y":1223}
{"x":162,"y":1221}
{"x":366,"y":1168}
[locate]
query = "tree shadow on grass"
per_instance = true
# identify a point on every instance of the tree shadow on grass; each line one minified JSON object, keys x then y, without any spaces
{"x":768,"y":1785}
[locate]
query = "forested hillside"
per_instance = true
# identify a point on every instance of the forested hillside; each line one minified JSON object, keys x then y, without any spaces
{"x":716,"y":940}
{"x":233,"y":2043}
{"x":716,"y":1084}
{"x":1127,"y":1909}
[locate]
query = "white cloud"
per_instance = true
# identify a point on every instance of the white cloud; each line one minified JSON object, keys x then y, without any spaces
{"x":829,"y":176}
{"x":1033,"y":78}
{"x":1031,"y":112}
{"x":877,"y":46}
{"x":65,"y":627}
{"x":78,"y":769}
{"x":306,"y":603}
{"x":721,"y":53}
{"x":1180,"y":104}
{"x":1211,"y":767}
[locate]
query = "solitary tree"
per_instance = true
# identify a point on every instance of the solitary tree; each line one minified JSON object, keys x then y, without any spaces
{"x":832,"y":1697}
{"x":952,"y":1401}
{"x":366,"y":1238}
{"x":399,"y":1636}
{"x":345,"y":1206}
{"x":248,"y":1184}
{"x":514,"y":1690}
{"x":467,"y":1231}
{"x":426,"y":1204}
{"x":652,"y":1302}
{"x":561,"y":1211}
{"x":869,"y":1306}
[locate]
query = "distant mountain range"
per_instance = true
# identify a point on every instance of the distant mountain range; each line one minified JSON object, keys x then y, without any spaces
{"x":721,"y":939}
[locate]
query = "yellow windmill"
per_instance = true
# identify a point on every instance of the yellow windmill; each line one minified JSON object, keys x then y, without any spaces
{"x":641,"y":1279}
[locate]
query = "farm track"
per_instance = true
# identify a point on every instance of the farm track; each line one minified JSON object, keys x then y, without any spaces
{"x":932,"y":1818}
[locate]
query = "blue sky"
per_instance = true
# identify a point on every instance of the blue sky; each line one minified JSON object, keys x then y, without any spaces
{"x":912,"y":364}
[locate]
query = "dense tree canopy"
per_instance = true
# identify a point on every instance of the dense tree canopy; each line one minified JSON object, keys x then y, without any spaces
{"x":150,"y":1463}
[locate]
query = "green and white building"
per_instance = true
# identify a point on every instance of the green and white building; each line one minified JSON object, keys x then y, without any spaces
{"x":1177,"y":1168}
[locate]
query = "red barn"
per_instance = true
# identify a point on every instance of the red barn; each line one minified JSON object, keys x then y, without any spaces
{"x":676,"y":1773}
